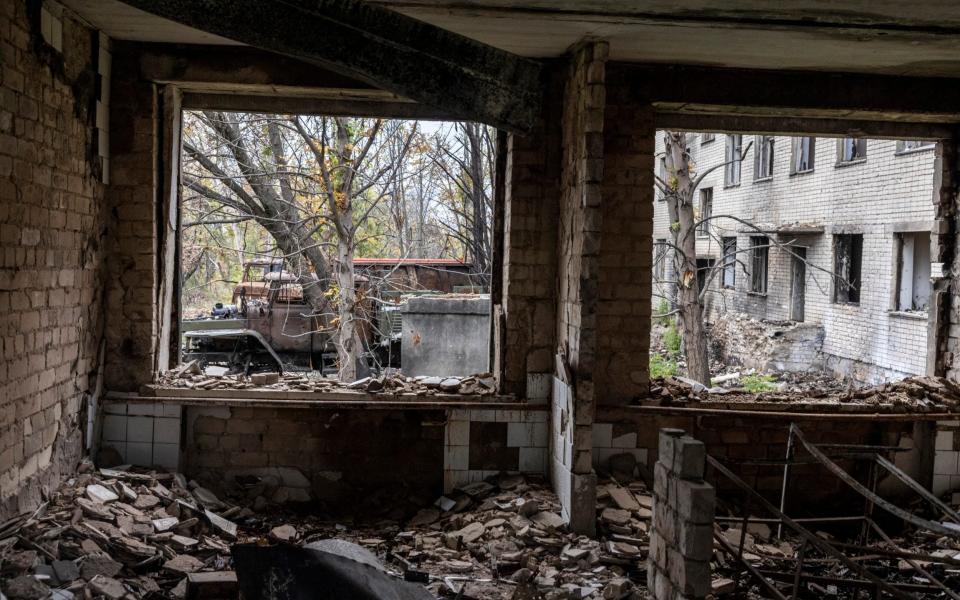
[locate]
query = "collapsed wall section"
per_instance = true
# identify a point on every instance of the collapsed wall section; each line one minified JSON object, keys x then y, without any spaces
{"x":51,"y":244}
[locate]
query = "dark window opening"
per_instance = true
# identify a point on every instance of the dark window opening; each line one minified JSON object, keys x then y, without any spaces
{"x":847,"y":260}
{"x":851,"y":149}
{"x":763,"y":158}
{"x":759,"y":258}
{"x":732,"y":159}
{"x":730,"y":263}
{"x":706,"y":211}
{"x":803,"y":154}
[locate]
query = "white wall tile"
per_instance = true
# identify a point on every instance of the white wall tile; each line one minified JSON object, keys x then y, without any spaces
{"x":168,"y":409}
{"x":533,"y":460}
{"x":945,"y":462}
{"x":944,"y":440}
{"x":602,"y":435}
{"x":538,"y":385}
{"x":518,"y":434}
{"x":627,"y":440}
{"x":457,"y":433}
{"x":167,"y":456}
{"x":139,"y":454}
{"x":115,"y":408}
{"x":456,"y":457}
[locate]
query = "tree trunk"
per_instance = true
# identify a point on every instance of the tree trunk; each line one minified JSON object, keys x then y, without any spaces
{"x":348,"y":342}
{"x":689,"y":306}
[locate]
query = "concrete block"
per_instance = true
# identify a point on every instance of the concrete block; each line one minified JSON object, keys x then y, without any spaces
{"x":627,"y":440}
{"x":695,"y":501}
{"x":169,"y":409}
{"x":539,"y":434}
{"x":602,"y":435}
{"x":166,"y":431}
{"x":538,"y":386}
{"x":536,"y":416}
{"x":140,"y":429}
{"x":459,"y":414}
{"x":519,"y":434}
{"x":114,"y":428}
{"x":115,"y":408}
{"x":695,"y":541}
{"x":488,"y":416}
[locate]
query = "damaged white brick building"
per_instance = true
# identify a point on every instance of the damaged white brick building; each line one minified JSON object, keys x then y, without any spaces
{"x":781,"y":230}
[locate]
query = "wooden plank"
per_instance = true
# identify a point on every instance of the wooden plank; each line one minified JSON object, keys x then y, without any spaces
{"x":389,"y":50}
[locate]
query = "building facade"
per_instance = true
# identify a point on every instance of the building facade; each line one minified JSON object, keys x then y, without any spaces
{"x":831,"y":233}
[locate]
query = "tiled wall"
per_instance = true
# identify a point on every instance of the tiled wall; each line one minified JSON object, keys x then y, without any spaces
{"x":144,"y":434}
{"x":946,"y":461}
{"x":479,"y":443}
{"x":610,"y":439}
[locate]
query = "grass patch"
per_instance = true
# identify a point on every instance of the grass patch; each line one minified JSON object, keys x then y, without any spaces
{"x":661,"y":366}
{"x":758,"y":383}
{"x":671,"y":339}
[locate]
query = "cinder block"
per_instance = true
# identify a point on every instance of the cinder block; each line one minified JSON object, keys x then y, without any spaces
{"x":141,"y":409}
{"x":944,"y":440}
{"x":695,"y":501}
{"x":456,"y":458}
{"x":518,"y":434}
{"x":627,"y":440}
{"x":538,"y":386}
{"x":169,"y":409}
{"x":945,"y":463}
{"x":167,"y":456}
{"x":695,"y":540}
{"x":536,"y":416}
{"x":115,"y":408}
{"x":483,"y":415}
{"x":533,"y":460}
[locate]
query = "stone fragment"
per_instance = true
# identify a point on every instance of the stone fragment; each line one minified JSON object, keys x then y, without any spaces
{"x":722,"y":586}
{"x":99,"y":564}
{"x":617,"y":589}
{"x":25,"y":587}
{"x":265,"y":378}
{"x":165,"y":524}
{"x":66,"y":571}
{"x":100,"y":494}
{"x":146,"y":501}
{"x":617,"y":516}
{"x":623,"y":498}
{"x":183,"y":563}
{"x":424,"y":517}
{"x":468,"y":534}
{"x":225,"y":526}
{"x":284,"y":533}
{"x":548,"y":520}
{"x":107,"y":587}
{"x":450,"y":384}
{"x":18,"y":562}
{"x":207,"y":498}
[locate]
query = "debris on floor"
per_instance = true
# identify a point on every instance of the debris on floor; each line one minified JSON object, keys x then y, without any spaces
{"x":923,"y":394}
{"x":190,"y":376}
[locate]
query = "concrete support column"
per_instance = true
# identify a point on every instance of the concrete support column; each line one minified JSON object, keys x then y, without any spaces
{"x":681,"y":534}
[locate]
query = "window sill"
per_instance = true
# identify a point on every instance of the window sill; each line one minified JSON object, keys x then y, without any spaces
{"x":757,"y":294}
{"x":728,"y":186}
{"x":763,"y":179}
{"x":804,"y":172}
{"x":915,"y":150}
{"x":729,"y":287}
{"x":849,"y":163}
{"x":703,"y":142}
{"x":849,"y":304}
{"x":915,"y":315}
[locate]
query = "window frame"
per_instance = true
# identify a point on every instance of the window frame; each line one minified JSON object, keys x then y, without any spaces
{"x":923,"y":146}
{"x":842,"y":160}
{"x":734,"y":142}
{"x":796,"y":149}
{"x":661,"y":196}
{"x":729,"y":262}
{"x":759,"y":257}
{"x":848,"y":282}
{"x":705,"y":200}
{"x":925,"y":237}
{"x":706,"y":137}
{"x":660,"y":258}
{"x":763,"y":157}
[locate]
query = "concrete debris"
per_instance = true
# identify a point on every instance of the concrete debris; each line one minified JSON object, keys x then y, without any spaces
{"x":480,"y":384}
{"x":922,"y":394}
{"x":284,"y":533}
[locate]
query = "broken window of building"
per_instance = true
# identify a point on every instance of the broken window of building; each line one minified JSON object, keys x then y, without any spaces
{"x":704,"y":266}
{"x":913,"y":271}
{"x":707,"y":137}
{"x":851,"y":149}
{"x":908,"y":145}
{"x":663,"y":177}
{"x":729,"y":262}
{"x":706,"y":210}
{"x":847,"y":259}
{"x":759,"y":258}
{"x":660,"y":261}
{"x":732,"y":159}
{"x":802,"y":155}
{"x":763,"y":158}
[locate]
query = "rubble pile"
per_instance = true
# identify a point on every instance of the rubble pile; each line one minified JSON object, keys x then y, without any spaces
{"x":924,"y":394}
{"x":191,"y":376}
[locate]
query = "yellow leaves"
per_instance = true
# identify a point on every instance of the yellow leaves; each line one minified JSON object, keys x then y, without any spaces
{"x":341,"y":199}
{"x":688,"y":279}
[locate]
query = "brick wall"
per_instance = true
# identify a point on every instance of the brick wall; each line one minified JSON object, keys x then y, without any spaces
{"x":886,"y":193}
{"x":51,"y":226}
{"x":132,"y":330}
{"x":343,"y":454}
{"x":736,"y":440}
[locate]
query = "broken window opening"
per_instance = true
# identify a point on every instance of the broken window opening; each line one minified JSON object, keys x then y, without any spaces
{"x":847,"y":261}
{"x":730,"y":263}
{"x":706,"y":211}
{"x":851,"y":149}
{"x":660,"y":262}
{"x":763,"y":158}
{"x":662,"y":194}
{"x":732,"y":159}
{"x":707,"y":137}
{"x":759,"y":261}
{"x":913,"y":271}
{"x":802,"y":155}
{"x":704,"y":266}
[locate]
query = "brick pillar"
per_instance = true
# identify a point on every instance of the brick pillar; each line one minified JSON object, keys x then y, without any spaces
{"x":681,"y":535}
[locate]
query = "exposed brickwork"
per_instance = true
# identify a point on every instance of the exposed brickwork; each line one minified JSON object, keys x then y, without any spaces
{"x":51,"y":245}
{"x":735,"y":439}
{"x":341,"y":452}
{"x":623,"y":313}
{"x":530,"y":257}
{"x":132,"y":330}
